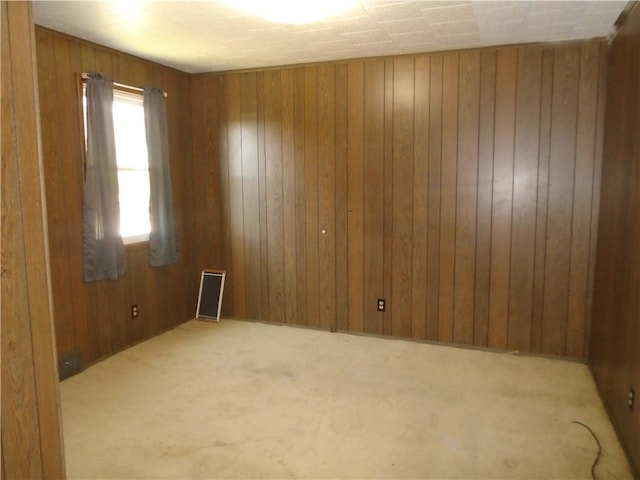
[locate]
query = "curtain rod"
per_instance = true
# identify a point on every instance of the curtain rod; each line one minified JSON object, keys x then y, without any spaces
{"x":85,"y":75}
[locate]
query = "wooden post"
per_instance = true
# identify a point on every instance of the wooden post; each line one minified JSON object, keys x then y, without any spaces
{"x":31,"y":429}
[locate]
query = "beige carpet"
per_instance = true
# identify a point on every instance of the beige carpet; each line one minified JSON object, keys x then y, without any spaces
{"x":250,"y":400}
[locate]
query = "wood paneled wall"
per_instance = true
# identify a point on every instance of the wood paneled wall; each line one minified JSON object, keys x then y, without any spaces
{"x":31,"y":429}
{"x":615,"y":339}
{"x":461,"y":187}
{"x":94,"y":318}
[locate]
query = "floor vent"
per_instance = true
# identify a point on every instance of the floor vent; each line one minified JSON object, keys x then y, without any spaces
{"x":69,"y":365}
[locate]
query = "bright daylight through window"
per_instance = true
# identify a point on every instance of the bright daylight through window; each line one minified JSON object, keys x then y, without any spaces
{"x":133,"y":165}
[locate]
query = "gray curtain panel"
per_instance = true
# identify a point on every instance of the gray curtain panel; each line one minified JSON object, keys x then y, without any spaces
{"x":162,"y":238}
{"x":104,"y":254}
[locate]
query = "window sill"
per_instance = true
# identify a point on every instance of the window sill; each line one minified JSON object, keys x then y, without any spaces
{"x":139,"y":242}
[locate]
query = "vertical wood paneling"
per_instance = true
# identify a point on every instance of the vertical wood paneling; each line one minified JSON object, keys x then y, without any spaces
{"x":434,"y":188}
{"x":595,"y":199}
{"x":387,"y":196}
{"x":420,"y":220}
{"x":355,"y":196}
{"x":274,"y":189}
{"x":206,"y":222}
{"x":150,"y":307}
{"x":300,"y":196}
{"x":117,"y":324}
{"x":485,"y":196}
{"x":466,"y":197}
{"x":236,"y":209}
{"x":183,"y":297}
{"x":250,"y":195}
{"x":100,"y":302}
{"x":311,"y":170}
{"x":615,"y":330}
{"x":21,"y":449}
{"x":262,"y":176}
{"x":448,"y":194}
{"x":560,"y":207}
{"x":31,"y":444}
{"x":57,"y":214}
{"x":200,"y":152}
{"x":433,"y":179}
{"x":402,"y":200}
{"x":74,"y":184}
{"x":542,"y":200}
{"x":288,"y":197}
{"x":327,"y":195}
{"x":525,"y":183}
{"x":94,"y":319}
{"x":221,"y":123}
{"x":582,"y":193}
{"x":373,"y":188}
{"x":342,"y":198}
{"x":501,"y":217}
{"x":139,"y":289}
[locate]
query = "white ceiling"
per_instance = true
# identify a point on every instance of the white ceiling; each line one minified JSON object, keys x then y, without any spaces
{"x":208,"y":36}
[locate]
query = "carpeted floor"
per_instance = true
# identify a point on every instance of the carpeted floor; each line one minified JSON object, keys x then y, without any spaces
{"x":251,"y":400}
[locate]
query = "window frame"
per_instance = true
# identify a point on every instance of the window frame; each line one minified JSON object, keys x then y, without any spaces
{"x":140,"y":240}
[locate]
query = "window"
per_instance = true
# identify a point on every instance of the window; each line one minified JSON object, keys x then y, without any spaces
{"x":133,"y":165}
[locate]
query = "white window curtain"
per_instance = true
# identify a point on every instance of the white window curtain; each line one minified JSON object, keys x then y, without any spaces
{"x":162,"y":238}
{"x":104,"y":254}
